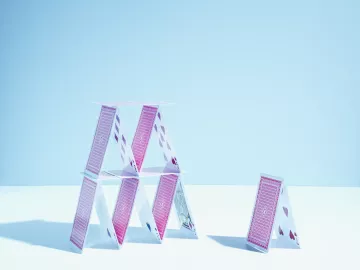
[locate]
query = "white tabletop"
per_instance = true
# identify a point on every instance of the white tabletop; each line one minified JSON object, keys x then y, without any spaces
{"x":35,"y":225}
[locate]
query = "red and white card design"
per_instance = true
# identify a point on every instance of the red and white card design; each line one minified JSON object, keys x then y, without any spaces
{"x":83,"y":213}
{"x":286,"y":233}
{"x":91,"y":190}
{"x":101,"y":139}
{"x":268,"y":214}
{"x":124,"y":206}
{"x":163,"y":201}
{"x":143,"y":134}
{"x":131,"y":191}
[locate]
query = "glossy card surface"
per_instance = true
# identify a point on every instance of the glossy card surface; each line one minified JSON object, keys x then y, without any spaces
{"x":163,"y":201}
{"x":264,"y":213}
{"x":124,"y":206}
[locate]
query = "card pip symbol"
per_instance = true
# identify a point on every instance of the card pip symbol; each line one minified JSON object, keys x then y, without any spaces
{"x":291,"y":235}
{"x":281,"y":231}
{"x":286,"y":211}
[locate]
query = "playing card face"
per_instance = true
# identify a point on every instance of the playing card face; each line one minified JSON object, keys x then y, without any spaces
{"x":165,"y":145}
{"x":83,"y":213}
{"x":163,"y":201}
{"x":182,"y":210}
{"x":124,"y":206}
{"x":106,"y":224}
{"x":145,"y":214}
{"x":287,"y":235}
{"x":101,"y":139}
{"x":143,"y":134}
{"x":263,"y":218}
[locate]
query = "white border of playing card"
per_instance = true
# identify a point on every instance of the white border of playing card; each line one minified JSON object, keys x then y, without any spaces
{"x":253,"y":211}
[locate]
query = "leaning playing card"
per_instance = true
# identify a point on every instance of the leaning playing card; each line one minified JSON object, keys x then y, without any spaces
{"x":262,"y":222}
{"x":284,"y":220}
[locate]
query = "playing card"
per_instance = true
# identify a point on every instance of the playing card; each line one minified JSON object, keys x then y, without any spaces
{"x":142,"y":134}
{"x":107,"y":227}
{"x":144,"y":210}
{"x":163,"y":201}
{"x":101,"y":140}
{"x":83,"y":213}
{"x":287,"y":235}
{"x":262,"y":222}
{"x":182,"y":209}
{"x":124,"y":206}
{"x":165,"y":145}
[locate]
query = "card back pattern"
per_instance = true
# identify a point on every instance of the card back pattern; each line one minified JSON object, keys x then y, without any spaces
{"x":264,"y":212}
{"x":83,"y":213}
{"x":163,"y":201}
{"x":101,"y":139}
{"x":124,"y":206}
{"x":143,"y":133}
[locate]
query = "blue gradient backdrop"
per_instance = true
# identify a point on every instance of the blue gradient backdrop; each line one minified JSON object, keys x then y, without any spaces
{"x":259,"y":86}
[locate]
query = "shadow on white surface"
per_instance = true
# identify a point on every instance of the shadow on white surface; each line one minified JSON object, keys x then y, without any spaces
{"x":56,"y":235}
{"x":232,"y":241}
{"x":48,"y":234}
{"x":140,"y":235}
{"x":282,"y":244}
{"x":181,"y":233}
{"x":240,"y":243}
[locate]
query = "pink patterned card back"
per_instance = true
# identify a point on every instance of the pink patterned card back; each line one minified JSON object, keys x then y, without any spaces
{"x":264,"y":212}
{"x":163,"y":201}
{"x":83,"y":213}
{"x":143,"y":133}
{"x":101,"y":139}
{"x":124,"y":206}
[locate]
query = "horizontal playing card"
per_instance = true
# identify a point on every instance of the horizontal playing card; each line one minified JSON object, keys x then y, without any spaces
{"x":261,"y":226}
{"x":83,"y":213}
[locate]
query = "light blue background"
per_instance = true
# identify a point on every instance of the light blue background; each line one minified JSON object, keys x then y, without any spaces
{"x":259,"y":86}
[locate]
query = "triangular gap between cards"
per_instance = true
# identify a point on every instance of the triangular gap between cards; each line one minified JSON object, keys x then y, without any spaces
{"x":170,"y":185}
{"x":131,"y":190}
{"x":91,"y":191}
{"x":284,"y":228}
{"x":179,"y":199}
